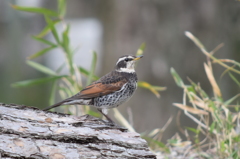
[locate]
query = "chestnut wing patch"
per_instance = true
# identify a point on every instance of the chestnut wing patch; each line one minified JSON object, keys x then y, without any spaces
{"x":100,"y":89}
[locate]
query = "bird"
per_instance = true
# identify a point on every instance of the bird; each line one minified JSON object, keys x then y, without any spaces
{"x":110,"y":91}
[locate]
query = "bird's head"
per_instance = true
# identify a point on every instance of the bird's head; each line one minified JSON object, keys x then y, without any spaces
{"x":126,"y":63}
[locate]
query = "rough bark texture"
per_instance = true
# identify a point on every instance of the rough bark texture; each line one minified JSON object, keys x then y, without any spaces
{"x":27,"y":132}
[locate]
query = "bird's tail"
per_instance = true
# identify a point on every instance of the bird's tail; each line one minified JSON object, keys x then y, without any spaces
{"x":55,"y":105}
{"x":70,"y":101}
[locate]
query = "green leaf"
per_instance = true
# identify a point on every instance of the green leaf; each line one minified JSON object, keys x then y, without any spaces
{"x":173,"y":141}
{"x":65,"y":38}
{"x":222,"y":146}
{"x":93,"y":113}
{"x":33,"y":82}
{"x":41,"y":68}
{"x":198,"y":89}
{"x":231,"y":99}
{"x":93,"y":67}
{"x":61,"y":8}
{"x":236,"y":139}
{"x":196,"y":131}
{"x":41,"y":52}
{"x":191,"y":89}
{"x":177,"y":78}
{"x":153,"y":89}
{"x":65,"y":45}
{"x":86,"y":73}
{"x":36,"y":10}
{"x":212,"y":127}
{"x":218,"y":120}
{"x":61,"y":67}
{"x":44,"y":41}
{"x":237,"y":107}
{"x":141,"y":49}
{"x":234,"y":79}
{"x":196,"y":140}
{"x":235,"y":154}
{"x":53,"y":29}
{"x":46,"y":29}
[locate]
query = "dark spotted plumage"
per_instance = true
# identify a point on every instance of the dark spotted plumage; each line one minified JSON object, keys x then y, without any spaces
{"x":109,"y":91}
{"x":126,"y":83}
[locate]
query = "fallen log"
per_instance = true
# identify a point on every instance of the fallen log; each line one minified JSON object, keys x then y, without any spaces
{"x":28,"y":132}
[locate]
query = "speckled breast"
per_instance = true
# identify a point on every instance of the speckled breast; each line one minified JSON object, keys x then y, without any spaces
{"x":117,"y":98}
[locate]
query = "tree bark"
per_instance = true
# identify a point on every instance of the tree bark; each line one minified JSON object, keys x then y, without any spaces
{"x":27,"y":132}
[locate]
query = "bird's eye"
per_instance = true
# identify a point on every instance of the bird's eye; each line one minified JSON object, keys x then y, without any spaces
{"x":127,"y":59}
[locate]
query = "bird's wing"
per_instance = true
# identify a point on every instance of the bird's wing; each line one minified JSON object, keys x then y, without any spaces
{"x":105,"y":85}
{"x":101,"y":88}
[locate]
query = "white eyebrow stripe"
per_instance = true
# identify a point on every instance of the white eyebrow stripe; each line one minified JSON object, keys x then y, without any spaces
{"x":120,"y":59}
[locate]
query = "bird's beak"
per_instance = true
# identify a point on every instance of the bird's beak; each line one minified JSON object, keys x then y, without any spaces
{"x":138,"y":57}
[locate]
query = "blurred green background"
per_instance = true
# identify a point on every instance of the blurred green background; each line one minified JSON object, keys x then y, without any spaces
{"x":114,"y":28}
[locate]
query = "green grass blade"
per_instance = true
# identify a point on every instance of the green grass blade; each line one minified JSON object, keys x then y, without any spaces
{"x":212,"y":127}
{"x":153,"y":89}
{"x":231,"y":99}
{"x":93,"y":67}
{"x":65,"y":45}
{"x":46,"y":29}
{"x":32,"y":82}
{"x":141,"y":49}
{"x":44,"y":41}
{"x":235,"y":63}
{"x":61,"y":67}
{"x":53,"y":29}
{"x":41,"y":52}
{"x":198,"y":89}
{"x":66,"y":39}
{"x":158,"y":88}
{"x":36,"y":10}
{"x":177,"y":78}
{"x":234,"y":79}
{"x":61,"y":8}
{"x":196,"y":131}
{"x":41,"y":68}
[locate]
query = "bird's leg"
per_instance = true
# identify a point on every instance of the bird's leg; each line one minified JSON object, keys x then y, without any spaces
{"x":108,"y":118}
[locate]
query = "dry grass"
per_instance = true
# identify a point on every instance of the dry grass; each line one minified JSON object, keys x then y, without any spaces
{"x":217,"y":120}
